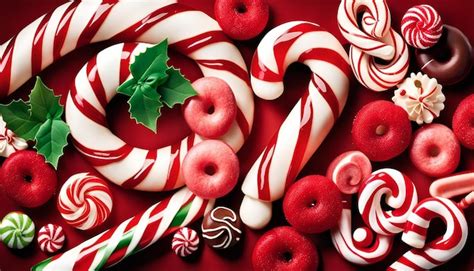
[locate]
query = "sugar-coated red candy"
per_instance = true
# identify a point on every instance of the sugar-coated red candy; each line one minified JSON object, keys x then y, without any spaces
{"x":211,"y":169}
{"x":435,"y":150}
{"x":313,"y":204}
{"x":242,"y":19}
{"x":284,"y":249}
{"x":381,"y":130}
{"x":463,"y":122}
{"x":27,"y":179}
{"x":212,"y":111}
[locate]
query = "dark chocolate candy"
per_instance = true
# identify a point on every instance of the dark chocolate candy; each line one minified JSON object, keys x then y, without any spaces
{"x":221,"y":228}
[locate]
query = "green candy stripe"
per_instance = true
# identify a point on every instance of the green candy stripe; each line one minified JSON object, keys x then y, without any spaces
{"x":17,"y":230}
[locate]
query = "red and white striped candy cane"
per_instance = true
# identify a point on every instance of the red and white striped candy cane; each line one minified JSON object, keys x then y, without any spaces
{"x":399,"y":193}
{"x":442,"y":249}
{"x":361,"y":247}
{"x":455,"y":185}
{"x":77,"y":23}
{"x":308,"y":122}
{"x":376,"y":39}
{"x":133,"y":235}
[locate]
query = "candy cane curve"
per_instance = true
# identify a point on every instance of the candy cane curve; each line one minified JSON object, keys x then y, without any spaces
{"x":442,"y":249}
{"x":361,"y":246}
{"x":373,"y":38}
{"x":309,"y":121}
{"x":132,"y":235}
{"x":74,"y":24}
{"x":400,"y":194}
{"x":455,"y":185}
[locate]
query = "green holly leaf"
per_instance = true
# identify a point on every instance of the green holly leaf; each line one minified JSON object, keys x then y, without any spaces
{"x":51,"y":139}
{"x":128,"y":87}
{"x":145,"y":106}
{"x":44,"y":104}
{"x":176,"y":89}
{"x":18,"y":118}
{"x":153,"y":60}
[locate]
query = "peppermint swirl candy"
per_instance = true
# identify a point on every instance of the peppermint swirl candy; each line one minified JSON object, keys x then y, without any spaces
{"x":17,"y":230}
{"x":422,"y":26}
{"x":221,"y":228}
{"x":51,"y":238}
{"x":185,"y":242}
{"x":85,"y":201}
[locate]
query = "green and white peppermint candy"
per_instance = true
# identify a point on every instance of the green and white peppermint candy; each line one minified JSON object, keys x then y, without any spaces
{"x":17,"y":230}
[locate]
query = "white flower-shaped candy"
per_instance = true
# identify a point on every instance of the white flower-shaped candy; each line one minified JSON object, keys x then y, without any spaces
{"x":421,"y":97}
{"x":9,"y":142}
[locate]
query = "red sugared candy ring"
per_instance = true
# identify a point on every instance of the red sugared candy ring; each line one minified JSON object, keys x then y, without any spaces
{"x":242,"y":19}
{"x":463,"y":122}
{"x":284,"y":249}
{"x":27,"y":179}
{"x":381,"y":130}
{"x":211,"y":169}
{"x":213,"y":110}
{"x":313,"y":204}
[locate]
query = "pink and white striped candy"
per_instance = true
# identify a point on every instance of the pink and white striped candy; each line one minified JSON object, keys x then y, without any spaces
{"x":51,"y":238}
{"x":309,"y":121}
{"x":437,"y":252}
{"x":374,"y":39}
{"x":455,"y":185}
{"x":185,"y":242}
{"x":349,"y":170}
{"x":85,"y":201}
{"x":400,"y":194}
{"x":362,"y":246}
{"x":422,"y":26}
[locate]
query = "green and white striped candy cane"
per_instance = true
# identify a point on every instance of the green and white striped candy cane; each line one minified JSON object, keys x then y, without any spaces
{"x":133,"y":235}
{"x":17,"y":230}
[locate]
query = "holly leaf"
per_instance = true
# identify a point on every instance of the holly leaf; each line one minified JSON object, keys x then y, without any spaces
{"x":18,"y":118}
{"x":51,"y":139}
{"x":44,"y":104}
{"x":127,"y":87}
{"x":145,"y":106}
{"x":176,"y":89}
{"x":153,"y":60}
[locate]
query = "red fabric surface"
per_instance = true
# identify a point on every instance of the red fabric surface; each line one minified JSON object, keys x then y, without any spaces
{"x":14,"y":15}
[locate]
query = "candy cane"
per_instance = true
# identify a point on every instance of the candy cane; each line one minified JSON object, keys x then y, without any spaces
{"x":437,"y":252}
{"x":455,"y":185}
{"x":362,"y":247}
{"x":376,"y":39}
{"x":400,"y":194}
{"x":77,"y":23}
{"x":133,"y":235}
{"x":309,"y":121}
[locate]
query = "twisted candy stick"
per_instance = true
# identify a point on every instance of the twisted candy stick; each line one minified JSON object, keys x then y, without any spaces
{"x":309,"y":121}
{"x":133,"y":235}
{"x":455,"y":185}
{"x":78,"y":23}
{"x":437,"y":252}
{"x":376,"y":39}
{"x":361,"y":247}
{"x":400,"y":194}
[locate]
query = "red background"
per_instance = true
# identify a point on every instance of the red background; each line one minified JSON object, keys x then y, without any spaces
{"x":14,"y":15}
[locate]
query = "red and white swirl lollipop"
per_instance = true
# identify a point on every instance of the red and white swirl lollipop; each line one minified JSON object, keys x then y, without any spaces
{"x":185,"y":242}
{"x":399,"y":193}
{"x":85,"y":201}
{"x":437,"y":252}
{"x":51,"y":238}
{"x":373,"y":39}
{"x":422,"y":26}
{"x":309,"y":121}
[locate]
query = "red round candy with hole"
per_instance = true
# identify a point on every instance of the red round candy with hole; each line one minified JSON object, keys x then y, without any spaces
{"x":284,"y":249}
{"x":211,"y":169}
{"x":435,"y":151}
{"x":463,"y":122}
{"x":381,"y":130}
{"x":313,"y":204}
{"x":27,"y":179}
{"x":242,"y":19}
{"x":213,"y":110}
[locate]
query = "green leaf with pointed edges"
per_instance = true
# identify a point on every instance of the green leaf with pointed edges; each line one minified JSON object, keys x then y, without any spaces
{"x":145,"y":106}
{"x":176,"y":89}
{"x":153,"y":60}
{"x":51,"y":140}
{"x":127,"y":87}
{"x":18,"y":118}
{"x":44,"y":104}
